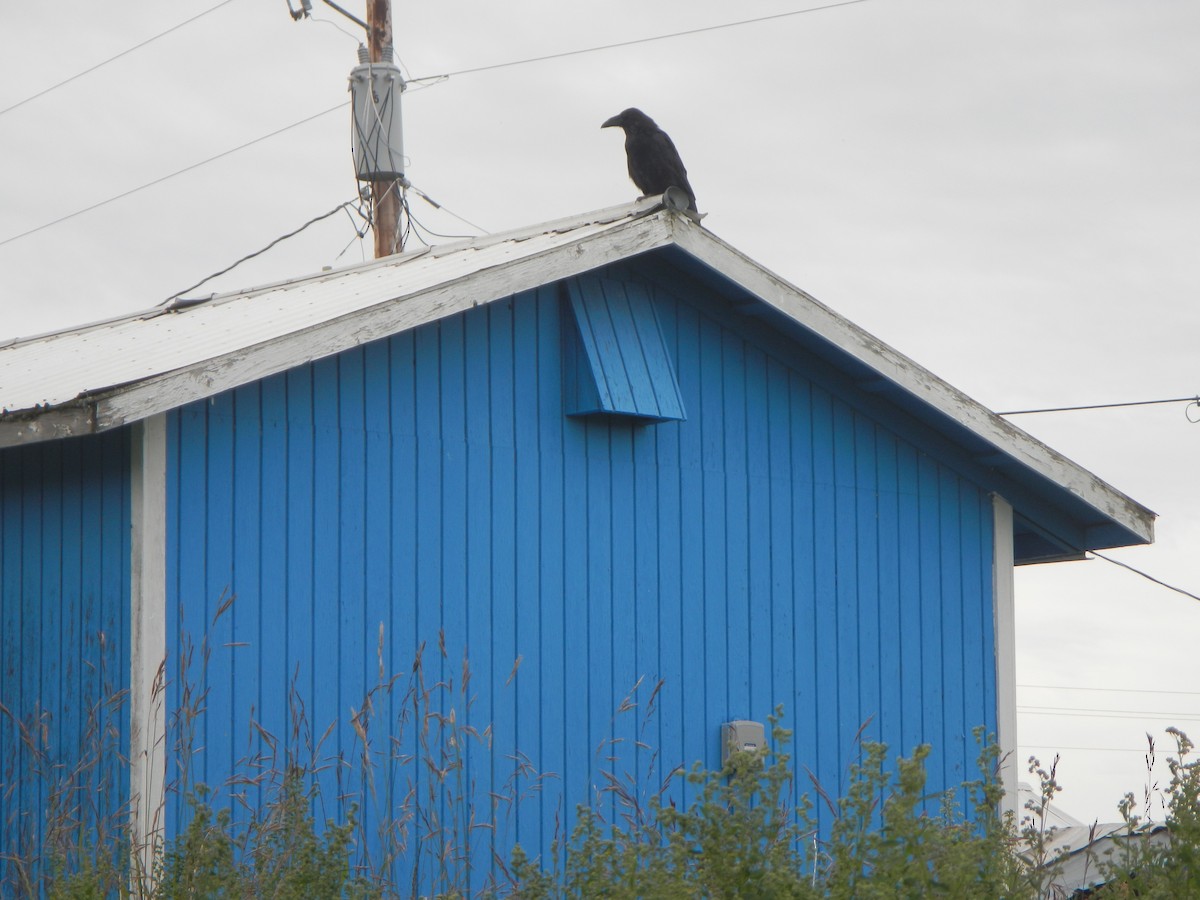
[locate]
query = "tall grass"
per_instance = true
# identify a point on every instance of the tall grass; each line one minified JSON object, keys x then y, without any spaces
{"x":66,"y":809}
{"x":398,"y":812}
{"x":417,"y":802}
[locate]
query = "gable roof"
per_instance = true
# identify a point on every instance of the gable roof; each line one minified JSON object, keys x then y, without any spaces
{"x":121,"y":370}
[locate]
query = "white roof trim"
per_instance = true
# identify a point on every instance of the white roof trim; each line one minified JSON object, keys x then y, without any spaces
{"x":208,"y":377}
{"x":915,"y":379}
{"x":157,"y":360}
{"x":124,"y":369}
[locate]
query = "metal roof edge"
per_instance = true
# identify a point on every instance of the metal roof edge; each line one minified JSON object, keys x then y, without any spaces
{"x":918,"y":381}
{"x":632,"y":229}
{"x":649,"y":229}
{"x":608,"y":215}
{"x":637,"y":209}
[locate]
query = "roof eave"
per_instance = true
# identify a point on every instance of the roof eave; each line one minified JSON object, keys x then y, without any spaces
{"x":643,"y":227}
{"x":629,"y":231}
{"x":1120,"y":514}
{"x":48,"y":424}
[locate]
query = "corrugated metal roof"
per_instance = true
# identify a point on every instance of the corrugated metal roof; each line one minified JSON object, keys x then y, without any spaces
{"x":1076,"y":853}
{"x":125,"y":369}
{"x":56,"y":368}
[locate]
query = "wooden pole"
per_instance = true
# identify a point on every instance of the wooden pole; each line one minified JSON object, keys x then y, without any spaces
{"x":385,"y":194}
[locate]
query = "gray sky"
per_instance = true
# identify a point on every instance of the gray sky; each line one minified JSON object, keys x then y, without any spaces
{"x":1006,"y":191}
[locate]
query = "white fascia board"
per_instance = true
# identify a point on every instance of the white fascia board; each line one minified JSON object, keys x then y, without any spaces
{"x":639,"y":232}
{"x":210,"y":377}
{"x":48,"y":425}
{"x":915,"y":379}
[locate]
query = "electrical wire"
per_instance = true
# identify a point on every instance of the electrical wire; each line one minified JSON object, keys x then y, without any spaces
{"x":123,"y":53}
{"x":357,"y":237}
{"x":1134,"y":570}
{"x":421,"y":226}
{"x":1123,"y":565}
{"x":349,"y":15}
{"x":1116,"y":562}
{"x":635,"y":41}
{"x":1027,"y":745}
{"x":413,"y":226}
{"x":408,"y":223}
{"x":420,"y":193}
{"x":401,"y":236}
{"x":359,"y":233}
{"x":283,"y":237}
{"x":333,"y":24}
{"x":408,"y":226}
{"x":1070,"y":687}
{"x":1105,"y":713}
{"x":197,"y":165}
{"x":1194,"y":400}
{"x":156,"y":181}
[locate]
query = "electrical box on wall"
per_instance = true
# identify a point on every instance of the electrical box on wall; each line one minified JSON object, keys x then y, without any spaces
{"x":741,"y":734}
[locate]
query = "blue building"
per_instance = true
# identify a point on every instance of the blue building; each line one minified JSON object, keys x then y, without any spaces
{"x":604,"y":458}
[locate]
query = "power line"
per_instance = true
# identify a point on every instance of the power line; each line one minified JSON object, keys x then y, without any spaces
{"x":1054,"y":409}
{"x":149,"y":184}
{"x":635,"y":41}
{"x":1104,"y":713}
{"x":360,"y":232}
{"x":332,"y":24}
{"x":1136,"y":717}
{"x":197,"y":165}
{"x":420,"y":193}
{"x":1147,"y":576}
{"x":283,"y":237}
{"x":1070,"y":687}
{"x":1133,"y":569}
{"x":126,"y":52}
{"x":421,"y":227}
{"x":1053,"y":746}
{"x":1116,"y":562}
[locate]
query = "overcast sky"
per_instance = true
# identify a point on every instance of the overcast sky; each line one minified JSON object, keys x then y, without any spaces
{"x":1006,"y":191}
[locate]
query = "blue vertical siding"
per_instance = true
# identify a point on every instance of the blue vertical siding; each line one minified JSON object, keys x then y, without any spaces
{"x":64,"y":630}
{"x":793,"y":541}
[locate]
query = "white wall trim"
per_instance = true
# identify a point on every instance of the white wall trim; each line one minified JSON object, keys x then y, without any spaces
{"x":148,"y":638}
{"x":1004,"y":612}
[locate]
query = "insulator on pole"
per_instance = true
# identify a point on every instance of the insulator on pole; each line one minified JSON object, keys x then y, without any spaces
{"x":377,"y":138}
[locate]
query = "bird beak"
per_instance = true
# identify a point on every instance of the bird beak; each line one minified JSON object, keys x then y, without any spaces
{"x":614,"y":121}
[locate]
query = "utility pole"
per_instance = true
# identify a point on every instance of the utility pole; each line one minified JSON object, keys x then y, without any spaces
{"x":385,"y":195}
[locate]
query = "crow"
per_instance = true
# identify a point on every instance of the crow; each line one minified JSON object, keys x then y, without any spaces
{"x":654,"y":163}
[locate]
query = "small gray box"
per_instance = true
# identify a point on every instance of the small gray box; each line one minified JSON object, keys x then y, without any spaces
{"x":741,"y":734}
{"x":377,"y":138}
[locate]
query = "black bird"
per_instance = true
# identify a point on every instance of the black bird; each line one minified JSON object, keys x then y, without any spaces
{"x":654,"y":163}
